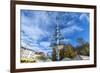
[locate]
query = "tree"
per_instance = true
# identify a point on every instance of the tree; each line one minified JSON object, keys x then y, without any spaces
{"x":69,"y":51}
{"x":81,"y":41}
{"x":83,"y":47}
{"x":54,"y":55}
{"x":61,"y":53}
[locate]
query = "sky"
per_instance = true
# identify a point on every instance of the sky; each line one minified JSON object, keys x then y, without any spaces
{"x":37,"y":28}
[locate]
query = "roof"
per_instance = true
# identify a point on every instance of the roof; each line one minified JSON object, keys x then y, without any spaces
{"x":27,"y":49}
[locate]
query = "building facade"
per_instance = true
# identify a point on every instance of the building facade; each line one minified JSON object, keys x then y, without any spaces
{"x":28,"y":55}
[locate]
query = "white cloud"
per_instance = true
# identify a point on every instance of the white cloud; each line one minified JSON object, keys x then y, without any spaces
{"x":34,"y":46}
{"x":34,"y":30}
{"x":26,"y":44}
{"x":84,"y":16}
{"x":67,"y":40}
{"x":45,"y":43}
{"x":72,"y":29}
{"x":71,"y":22}
{"x":33,"y":36}
{"x":75,"y":28}
{"x":35,"y":33}
{"x":26,"y":20}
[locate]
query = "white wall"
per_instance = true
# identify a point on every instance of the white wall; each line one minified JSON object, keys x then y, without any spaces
{"x":5,"y":37}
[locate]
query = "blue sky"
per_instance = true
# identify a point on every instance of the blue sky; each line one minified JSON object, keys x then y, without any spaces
{"x":37,"y":27}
